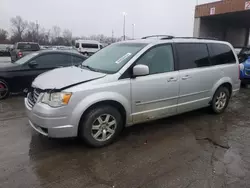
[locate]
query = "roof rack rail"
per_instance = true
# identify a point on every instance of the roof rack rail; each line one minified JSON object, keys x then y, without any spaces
{"x":159,"y":36}
{"x":206,"y":38}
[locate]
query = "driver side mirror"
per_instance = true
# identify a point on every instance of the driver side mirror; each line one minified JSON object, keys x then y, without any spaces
{"x":33,"y":64}
{"x":140,"y":70}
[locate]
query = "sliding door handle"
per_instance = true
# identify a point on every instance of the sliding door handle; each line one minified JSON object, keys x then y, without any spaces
{"x":186,"y":77}
{"x":172,"y":79}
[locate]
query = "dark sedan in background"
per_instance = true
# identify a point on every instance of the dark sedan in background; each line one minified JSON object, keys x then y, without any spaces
{"x":18,"y":76}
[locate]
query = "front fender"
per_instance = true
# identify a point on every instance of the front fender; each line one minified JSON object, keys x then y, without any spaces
{"x":94,"y":98}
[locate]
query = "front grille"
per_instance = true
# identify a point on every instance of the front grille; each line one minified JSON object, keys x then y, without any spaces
{"x":33,"y":96}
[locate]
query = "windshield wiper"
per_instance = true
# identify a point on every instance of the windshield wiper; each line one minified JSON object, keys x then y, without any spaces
{"x":89,"y":68}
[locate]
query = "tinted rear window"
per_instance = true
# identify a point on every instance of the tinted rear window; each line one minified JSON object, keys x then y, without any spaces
{"x":28,"y":47}
{"x":77,"y":45}
{"x":221,"y":54}
{"x":192,"y":55}
{"x":85,"y":45}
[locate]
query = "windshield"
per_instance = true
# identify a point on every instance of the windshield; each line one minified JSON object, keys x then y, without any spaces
{"x":25,"y":58}
{"x":112,"y":58}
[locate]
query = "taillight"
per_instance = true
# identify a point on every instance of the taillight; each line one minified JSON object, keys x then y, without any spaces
{"x":19,"y":54}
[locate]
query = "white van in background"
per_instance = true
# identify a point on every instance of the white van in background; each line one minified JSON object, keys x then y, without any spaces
{"x":88,"y":47}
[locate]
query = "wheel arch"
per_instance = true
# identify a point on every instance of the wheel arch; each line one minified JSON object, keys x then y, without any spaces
{"x":226,"y":82}
{"x":114,"y":99}
{"x":228,"y":86}
{"x":112,"y":103}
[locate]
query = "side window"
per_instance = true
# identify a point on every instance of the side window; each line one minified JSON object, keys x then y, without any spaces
{"x":221,"y":54}
{"x":53,"y":60}
{"x":85,"y":45}
{"x":192,"y":55}
{"x":159,"y":59}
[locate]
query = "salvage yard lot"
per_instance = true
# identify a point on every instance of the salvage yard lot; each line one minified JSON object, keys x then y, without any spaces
{"x":196,"y":149}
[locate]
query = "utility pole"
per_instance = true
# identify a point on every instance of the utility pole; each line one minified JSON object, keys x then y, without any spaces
{"x":112,"y":36}
{"x":133,"y":31}
{"x":37,"y":34}
{"x":124,"y":25}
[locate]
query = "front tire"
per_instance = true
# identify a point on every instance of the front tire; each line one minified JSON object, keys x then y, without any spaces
{"x":101,"y":126}
{"x":220,"y":100}
{"x":4,"y":89}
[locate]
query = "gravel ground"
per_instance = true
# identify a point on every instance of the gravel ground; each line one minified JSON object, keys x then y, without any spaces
{"x":196,"y":149}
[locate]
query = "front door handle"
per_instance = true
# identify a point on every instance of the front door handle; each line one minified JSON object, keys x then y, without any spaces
{"x":186,"y":77}
{"x":172,"y":79}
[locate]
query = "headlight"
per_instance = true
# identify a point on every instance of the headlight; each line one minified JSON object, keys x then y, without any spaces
{"x":241,"y":67}
{"x":56,"y":99}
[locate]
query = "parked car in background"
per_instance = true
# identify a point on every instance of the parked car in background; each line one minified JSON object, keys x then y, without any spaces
{"x":4,"y":51}
{"x":244,"y":57}
{"x":132,"y":82}
{"x":9,"y":48}
{"x":21,"y":49}
{"x":88,"y":47}
{"x":18,"y":76}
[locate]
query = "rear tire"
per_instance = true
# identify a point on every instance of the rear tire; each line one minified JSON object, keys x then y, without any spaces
{"x":101,"y":126}
{"x":220,"y":100}
{"x":4,"y":89}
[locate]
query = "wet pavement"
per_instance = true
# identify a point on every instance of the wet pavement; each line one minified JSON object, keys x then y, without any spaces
{"x":192,"y":150}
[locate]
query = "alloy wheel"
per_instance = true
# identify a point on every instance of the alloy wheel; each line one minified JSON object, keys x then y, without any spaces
{"x":103,"y":127}
{"x":221,"y":100}
{"x":3,"y":90}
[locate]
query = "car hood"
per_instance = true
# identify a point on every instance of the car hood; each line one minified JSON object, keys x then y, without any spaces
{"x":62,"y":78}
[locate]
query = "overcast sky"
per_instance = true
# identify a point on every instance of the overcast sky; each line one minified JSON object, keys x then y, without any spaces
{"x":87,"y":17}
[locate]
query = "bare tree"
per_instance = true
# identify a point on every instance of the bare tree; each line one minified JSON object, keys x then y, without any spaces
{"x":44,"y":36}
{"x":56,"y":32}
{"x":33,"y":29}
{"x":3,"y":35}
{"x":18,"y":27}
{"x":67,"y":35}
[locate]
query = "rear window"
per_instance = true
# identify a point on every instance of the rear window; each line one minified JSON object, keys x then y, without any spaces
{"x":85,"y":45}
{"x":28,"y":46}
{"x":77,"y":45}
{"x":192,"y":55}
{"x":221,"y":54}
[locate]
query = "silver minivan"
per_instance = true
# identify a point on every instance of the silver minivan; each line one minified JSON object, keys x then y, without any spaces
{"x":132,"y":82}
